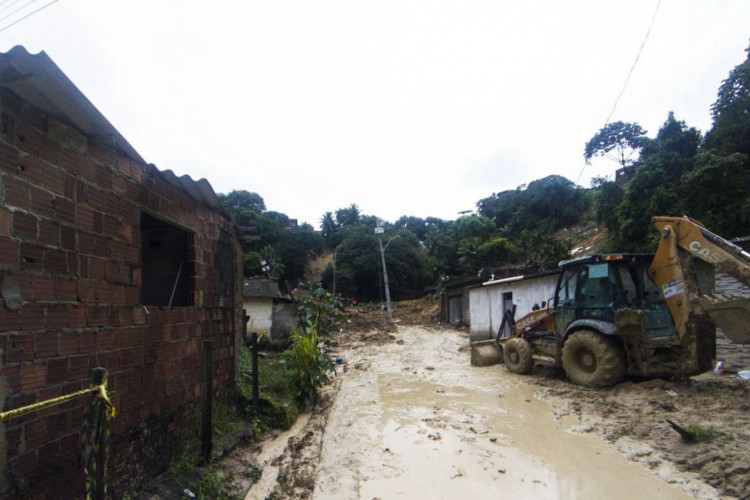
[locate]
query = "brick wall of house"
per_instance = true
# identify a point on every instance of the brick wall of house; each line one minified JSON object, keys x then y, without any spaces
{"x":70,"y":280}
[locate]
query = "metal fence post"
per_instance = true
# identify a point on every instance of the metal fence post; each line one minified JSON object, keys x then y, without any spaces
{"x":96,"y":438}
{"x":254,"y":347}
{"x":207,"y":427}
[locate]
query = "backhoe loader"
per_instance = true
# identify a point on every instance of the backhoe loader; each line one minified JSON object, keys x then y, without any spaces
{"x":636,"y":314}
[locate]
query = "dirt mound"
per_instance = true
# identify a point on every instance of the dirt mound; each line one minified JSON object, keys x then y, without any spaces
{"x":368,"y":323}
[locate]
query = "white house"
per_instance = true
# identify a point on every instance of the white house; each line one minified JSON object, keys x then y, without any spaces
{"x":489,"y":300}
{"x":269,"y":314}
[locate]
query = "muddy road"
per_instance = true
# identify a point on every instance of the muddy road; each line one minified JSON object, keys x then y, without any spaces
{"x":410,"y":418}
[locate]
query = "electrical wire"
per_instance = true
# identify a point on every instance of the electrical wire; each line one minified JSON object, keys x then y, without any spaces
{"x":632,"y":68}
{"x":17,"y":10}
{"x":630,"y":73}
{"x":27,"y":16}
{"x":9,"y":5}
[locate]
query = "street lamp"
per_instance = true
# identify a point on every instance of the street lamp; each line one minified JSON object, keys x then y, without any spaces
{"x":379,"y":231}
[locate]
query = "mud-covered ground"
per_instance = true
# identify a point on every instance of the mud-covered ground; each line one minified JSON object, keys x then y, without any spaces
{"x":408,"y":417}
{"x":633,"y":417}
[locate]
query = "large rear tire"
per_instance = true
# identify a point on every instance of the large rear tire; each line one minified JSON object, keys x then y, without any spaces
{"x":593,"y":360}
{"x":517,"y":356}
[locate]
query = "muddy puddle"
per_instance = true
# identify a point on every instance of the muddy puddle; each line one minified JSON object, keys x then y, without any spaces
{"x":417,"y":421}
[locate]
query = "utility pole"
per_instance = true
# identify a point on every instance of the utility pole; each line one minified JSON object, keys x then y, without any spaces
{"x":385,"y":275}
{"x":379,"y":231}
{"x":334,"y":274}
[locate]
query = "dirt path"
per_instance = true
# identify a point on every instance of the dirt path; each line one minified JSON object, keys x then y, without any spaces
{"x":412,"y":419}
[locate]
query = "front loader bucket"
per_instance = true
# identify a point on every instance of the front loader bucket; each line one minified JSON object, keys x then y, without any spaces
{"x":732,"y":316}
{"x":486,"y":353}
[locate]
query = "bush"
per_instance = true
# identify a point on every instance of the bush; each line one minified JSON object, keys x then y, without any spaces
{"x":312,"y":364}
{"x":317,"y":308}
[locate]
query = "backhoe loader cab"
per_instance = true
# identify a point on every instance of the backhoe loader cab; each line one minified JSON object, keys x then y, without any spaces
{"x":590,"y":290}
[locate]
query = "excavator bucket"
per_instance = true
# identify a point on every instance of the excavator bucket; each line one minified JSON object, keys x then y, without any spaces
{"x":732,"y":316}
{"x":486,"y":353}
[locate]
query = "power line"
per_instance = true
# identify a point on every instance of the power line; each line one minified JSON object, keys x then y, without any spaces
{"x":18,"y":9}
{"x":11,"y":4}
{"x":637,"y":57}
{"x":28,"y":15}
{"x":630,"y":73}
{"x":4,"y":2}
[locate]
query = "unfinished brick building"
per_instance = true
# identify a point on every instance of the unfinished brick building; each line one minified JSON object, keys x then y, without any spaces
{"x":104,"y":261}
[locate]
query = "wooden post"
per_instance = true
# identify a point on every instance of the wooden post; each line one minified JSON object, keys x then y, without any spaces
{"x":207,"y":427}
{"x":101,"y":435}
{"x":254,"y":347}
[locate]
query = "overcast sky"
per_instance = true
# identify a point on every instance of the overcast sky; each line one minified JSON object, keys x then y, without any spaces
{"x":403,"y":107}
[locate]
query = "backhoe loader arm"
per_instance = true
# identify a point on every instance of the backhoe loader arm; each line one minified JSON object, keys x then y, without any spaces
{"x":672,"y":271}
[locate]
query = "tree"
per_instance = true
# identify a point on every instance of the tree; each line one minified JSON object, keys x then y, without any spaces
{"x":294,"y":248}
{"x":607,"y":195}
{"x":416,"y":225}
{"x":731,"y":113}
{"x":330,"y":230}
{"x":238,"y":200}
{"x":656,"y":187}
{"x":725,"y":207}
{"x":621,"y":137}
{"x":348,"y":216}
{"x":549,"y":203}
{"x":539,"y":247}
{"x":358,"y":265}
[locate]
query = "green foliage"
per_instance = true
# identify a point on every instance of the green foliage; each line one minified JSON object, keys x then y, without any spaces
{"x":357,"y":264}
{"x":330,"y":230}
{"x":312,"y":364}
{"x":547,"y":204}
{"x":284,"y":248}
{"x":410,"y":269}
{"x":295,"y":246}
{"x":622,"y":138}
{"x":540,"y":247}
{"x":359,"y":267}
{"x":211,"y":484}
{"x":240,"y":201}
{"x":702,"y":434}
{"x":606,"y":195}
{"x":729,"y":180}
{"x":731,"y":113}
{"x":349,"y":216}
{"x":316,"y":308}
{"x":655,"y":187}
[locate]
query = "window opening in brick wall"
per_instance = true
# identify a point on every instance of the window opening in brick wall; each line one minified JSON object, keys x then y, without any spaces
{"x":166,"y":256}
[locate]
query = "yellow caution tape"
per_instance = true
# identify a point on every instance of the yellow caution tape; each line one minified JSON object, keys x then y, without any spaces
{"x":25,"y":410}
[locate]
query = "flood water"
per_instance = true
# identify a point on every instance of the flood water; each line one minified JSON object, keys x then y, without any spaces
{"x":417,"y":421}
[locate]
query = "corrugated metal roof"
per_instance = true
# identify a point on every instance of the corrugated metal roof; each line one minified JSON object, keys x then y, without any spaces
{"x":260,"y":287}
{"x":36,"y":79}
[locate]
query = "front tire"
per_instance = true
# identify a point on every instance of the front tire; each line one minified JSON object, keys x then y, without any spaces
{"x":593,"y":360}
{"x":517,"y":356}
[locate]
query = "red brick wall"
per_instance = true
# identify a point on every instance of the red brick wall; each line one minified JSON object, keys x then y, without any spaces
{"x":70,"y":276}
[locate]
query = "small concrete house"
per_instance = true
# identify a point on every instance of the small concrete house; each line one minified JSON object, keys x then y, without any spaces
{"x":105,"y":261}
{"x":492,"y":298}
{"x":454,"y":305}
{"x":269,"y":314}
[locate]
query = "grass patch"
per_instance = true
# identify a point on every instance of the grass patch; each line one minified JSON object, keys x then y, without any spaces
{"x":702,"y":434}
{"x":279,"y":404}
